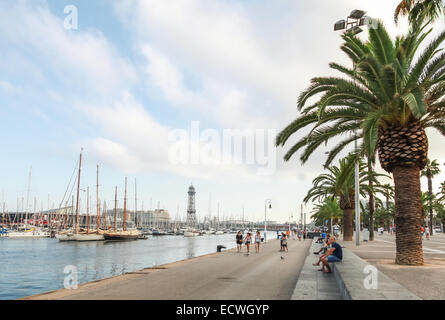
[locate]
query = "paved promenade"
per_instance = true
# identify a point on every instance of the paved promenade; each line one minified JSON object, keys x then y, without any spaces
{"x":268,"y":275}
{"x":427,"y":282}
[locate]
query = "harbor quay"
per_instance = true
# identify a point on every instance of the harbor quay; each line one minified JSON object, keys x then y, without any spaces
{"x":227,"y":275}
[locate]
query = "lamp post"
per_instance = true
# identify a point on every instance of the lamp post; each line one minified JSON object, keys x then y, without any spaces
{"x":352,"y":24}
{"x":265,"y":216}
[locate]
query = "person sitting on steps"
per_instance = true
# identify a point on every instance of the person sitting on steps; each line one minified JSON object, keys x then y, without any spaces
{"x":325,"y":246}
{"x":334,"y":254}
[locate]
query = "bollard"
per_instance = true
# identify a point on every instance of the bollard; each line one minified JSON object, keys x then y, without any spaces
{"x":219,"y":248}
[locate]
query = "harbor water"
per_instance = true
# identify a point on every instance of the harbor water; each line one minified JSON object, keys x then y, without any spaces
{"x":32,"y":266}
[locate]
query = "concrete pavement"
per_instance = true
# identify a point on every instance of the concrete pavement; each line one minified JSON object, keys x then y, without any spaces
{"x":268,"y":275}
{"x":427,"y":282}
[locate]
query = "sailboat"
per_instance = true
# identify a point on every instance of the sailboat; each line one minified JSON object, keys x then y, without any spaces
{"x":218,"y":232}
{"x":92,"y":235}
{"x":28,"y":231}
{"x":123,"y":234}
{"x":68,"y":235}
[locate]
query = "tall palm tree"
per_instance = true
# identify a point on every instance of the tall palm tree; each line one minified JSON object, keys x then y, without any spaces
{"x":339,"y":182}
{"x":431,"y":170}
{"x":417,"y":9}
{"x":388,"y":101}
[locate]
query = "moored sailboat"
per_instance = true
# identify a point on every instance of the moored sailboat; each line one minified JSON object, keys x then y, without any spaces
{"x":123,"y":234}
{"x":92,"y":235}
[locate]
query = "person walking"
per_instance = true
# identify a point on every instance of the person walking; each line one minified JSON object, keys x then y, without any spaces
{"x":336,"y":227}
{"x":299,"y":234}
{"x":304,"y":234}
{"x":248,"y":241}
{"x":239,"y":241}
{"x":257,"y":241}
{"x":427,"y":233}
{"x":284,"y":243}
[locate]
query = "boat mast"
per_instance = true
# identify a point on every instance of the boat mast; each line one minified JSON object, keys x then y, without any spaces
{"x":88,"y":209}
{"x":135,"y":203}
{"x":104,"y":215}
{"x":97,"y":200}
{"x":3,"y":209}
{"x":27,"y":197}
{"x":125,"y":204}
{"x":76,"y":229}
{"x":115,"y":205}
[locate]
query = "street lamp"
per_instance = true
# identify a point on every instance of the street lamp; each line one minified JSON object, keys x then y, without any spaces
{"x":265,"y":217}
{"x":356,"y":19}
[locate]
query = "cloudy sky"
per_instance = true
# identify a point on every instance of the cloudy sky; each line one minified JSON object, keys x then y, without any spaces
{"x":135,"y":73}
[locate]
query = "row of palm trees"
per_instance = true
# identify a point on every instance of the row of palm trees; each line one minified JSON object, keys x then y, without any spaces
{"x":385,"y":101}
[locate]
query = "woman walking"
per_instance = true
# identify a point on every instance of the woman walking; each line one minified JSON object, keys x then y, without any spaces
{"x":248,"y":241}
{"x":257,"y":241}
{"x":239,"y":241}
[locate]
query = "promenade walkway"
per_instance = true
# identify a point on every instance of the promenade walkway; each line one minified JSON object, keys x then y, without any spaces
{"x":427,"y":282}
{"x":268,"y":275}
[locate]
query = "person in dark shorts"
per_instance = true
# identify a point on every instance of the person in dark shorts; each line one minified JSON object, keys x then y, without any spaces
{"x":284,"y":243}
{"x":334,"y":254}
{"x":239,"y":241}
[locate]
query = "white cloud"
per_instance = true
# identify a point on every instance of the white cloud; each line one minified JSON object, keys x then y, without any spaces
{"x":74,"y":58}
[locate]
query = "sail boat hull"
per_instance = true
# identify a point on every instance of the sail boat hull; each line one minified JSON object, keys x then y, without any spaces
{"x":122,"y":235}
{"x":65,"y":237}
{"x":89,"y":237}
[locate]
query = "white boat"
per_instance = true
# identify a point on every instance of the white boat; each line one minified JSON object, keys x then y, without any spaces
{"x":65,"y":236}
{"x":31,"y":233}
{"x":219,"y":232}
{"x":190,"y":234}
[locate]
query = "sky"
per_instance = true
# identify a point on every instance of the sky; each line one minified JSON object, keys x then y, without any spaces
{"x":150,"y":89}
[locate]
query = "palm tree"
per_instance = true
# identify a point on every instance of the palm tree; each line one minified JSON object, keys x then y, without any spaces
{"x":388,"y":101}
{"x":340,"y":182}
{"x":328,"y":210}
{"x":441,"y":194}
{"x":431,"y":170}
{"x":418,"y":9}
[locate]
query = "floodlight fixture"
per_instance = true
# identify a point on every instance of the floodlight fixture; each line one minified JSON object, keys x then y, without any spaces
{"x":355,"y":30}
{"x":357,"y":14}
{"x":365,"y":21}
{"x":340,"y":25}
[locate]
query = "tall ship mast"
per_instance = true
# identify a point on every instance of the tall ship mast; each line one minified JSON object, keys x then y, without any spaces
{"x":123,"y":234}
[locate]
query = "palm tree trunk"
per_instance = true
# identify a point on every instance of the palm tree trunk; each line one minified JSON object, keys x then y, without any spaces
{"x":408,"y":215}
{"x":347,"y":224}
{"x":430,"y":191}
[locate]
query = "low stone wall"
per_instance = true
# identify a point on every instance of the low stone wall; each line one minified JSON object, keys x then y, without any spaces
{"x":358,"y":280}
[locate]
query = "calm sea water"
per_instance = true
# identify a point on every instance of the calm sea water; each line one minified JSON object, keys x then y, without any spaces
{"x":32,"y":266}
